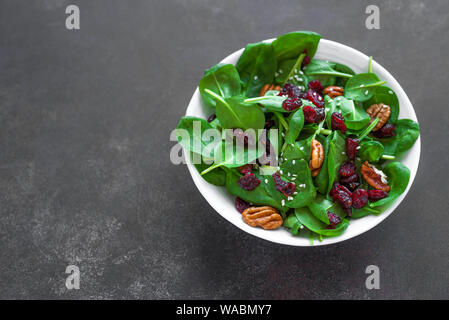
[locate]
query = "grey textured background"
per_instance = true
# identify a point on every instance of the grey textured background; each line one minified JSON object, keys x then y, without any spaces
{"x":85,"y":176}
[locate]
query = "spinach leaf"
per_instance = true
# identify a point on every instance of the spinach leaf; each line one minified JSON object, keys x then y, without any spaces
{"x":321,"y":206}
{"x":196,"y":141}
{"x":291,"y":45}
{"x":292,"y":223}
{"x":398,"y":178}
{"x":341,"y":81}
{"x":371,"y":151}
{"x":306,"y":218}
{"x":361,"y":87}
{"x":305,"y":189}
{"x":385,"y":95}
{"x":270,"y":101}
{"x":355,"y":116}
{"x":299,"y":149}
{"x":258,"y":196}
{"x":295,"y":125}
{"x":322,"y":179}
{"x":363,"y":212}
{"x":320,"y":67}
{"x":222,"y":79}
{"x":291,"y":72}
{"x":234,"y":113}
{"x":257,"y":66}
{"x":407,"y":132}
{"x":337,"y":155}
{"x":216,"y":177}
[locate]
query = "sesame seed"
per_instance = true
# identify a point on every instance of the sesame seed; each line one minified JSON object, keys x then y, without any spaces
{"x":280,"y":71}
{"x":266,"y":181}
{"x":255,"y":77}
{"x":358,"y":148}
{"x":293,"y":161}
{"x":293,"y":179}
{"x":280,"y":171}
{"x":283,"y":202}
{"x":366,"y":92}
{"x":301,"y":227}
{"x":302,"y":148}
{"x":295,"y":193}
{"x":288,"y":174}
{"x":343,"y":152}
{"x":362,"y":85}
{"x":292,"y":145}
{"x":390,"y":92}
{"x":290,"y":198}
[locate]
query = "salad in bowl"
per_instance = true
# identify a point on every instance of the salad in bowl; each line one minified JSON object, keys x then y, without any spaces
{"x":301,"y":143}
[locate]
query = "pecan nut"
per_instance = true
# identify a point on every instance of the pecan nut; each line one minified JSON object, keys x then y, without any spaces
{"x":317,"y":157}
{"x":265,"y":217}
{"x":374,"y":177}
{"x":381,"y":111}
{"x":334,"y":91}
{"x":267,"y":88}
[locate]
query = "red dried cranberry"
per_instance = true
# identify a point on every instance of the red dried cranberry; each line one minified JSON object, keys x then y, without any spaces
{"x":359,"y":198}
{"x":385,"y":132}
{"x":353,"y":185}
{"x":338,"y":122}
{"x":241,"y":205}
{"x":343,"y":198}
{"x":347,"y":169}
{"x":351,"y":147}
{"x":315,"y":98}
{"x":377,"y":194}
{"x":316,"y":86}
{"x":211,"y":117}
{"x":241,"y":136}
{"x":333,"y":220}
{"x":287,"y":188}
{"x":291,"y":104}
{"x":248,"y":182}
{"x":319,"y":115}
{"x":290,"y":90}
{"x":309,"y":114}
{"x":349,"y":180}
{"x":246,"y":169}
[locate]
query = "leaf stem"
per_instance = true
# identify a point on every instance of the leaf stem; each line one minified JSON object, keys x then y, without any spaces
{"x":388,"y":157}
{"x":281,"y":120}
{"x":326,"y":132}
{"x":368,"y":129}
{"x":370,"y":66}
{"x":210,"y":168}
{"x":298,"y":62}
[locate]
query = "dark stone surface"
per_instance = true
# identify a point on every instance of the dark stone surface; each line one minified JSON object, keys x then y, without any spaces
{"x":85,"y":176}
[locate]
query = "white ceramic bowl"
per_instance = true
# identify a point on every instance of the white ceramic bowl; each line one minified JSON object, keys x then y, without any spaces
{"x":223,"y":202}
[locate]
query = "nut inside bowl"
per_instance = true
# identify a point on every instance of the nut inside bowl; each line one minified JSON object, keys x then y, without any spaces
{"x":223,"y":202}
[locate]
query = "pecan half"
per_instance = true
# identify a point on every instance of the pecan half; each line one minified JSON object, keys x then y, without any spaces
{"x":334,"y":91}
{"x":317,"y":157}
{"x":374,"y":178}
{"x":267,"y":88}
{"x":381,"y":111}
{"x":265,"y":217}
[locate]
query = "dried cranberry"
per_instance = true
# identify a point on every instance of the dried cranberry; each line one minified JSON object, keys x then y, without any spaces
{"x":211,"y":117}
{"x":385,"y":132}
{"x":246,"y":169}
{"x":241,"y":205}
{"x":316,"y":86}
{"x":287,"y":188}
{"x":346,"y":181}
{"x":315,"y":98}
{"x":309,"y":114}
{"x":377,"y":194}
{"x":347,"y":169}
{"x":291,"y":104}
{"x":351,"y":147}
{"x":338,"y":122}
{"x":319,"y":115}
{"x":333,"y":220}
{"x":353,"y":185}
{"x":359,"y":198}
{"x":241,"y":136}
{"x":343,"y":198}
{"x":337,"y":186}
{"x":290,"y":90}
{"x":248,"y":182}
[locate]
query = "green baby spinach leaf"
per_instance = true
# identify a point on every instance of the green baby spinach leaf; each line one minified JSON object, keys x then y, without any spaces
{"x":337,"y":155}
{"x":295,"y":125}
{"x":371,"y":151}
{"x":257,"y":66}
{"x":361,"y":87}
{"x":355,"y":116}
{"x":306,"y":218}
{"x":322,"y":179}
{"x":234,"y":113}
{"x":191,"y":135}
{"x":363,"y":212}
{"x":299,"y":174}
{"x":293,"y":224}
{"x":269,"y":101}
{"x":222,"y":79}
{"x":324,"y":68}
{"x":216,"y":177}
{"x":398,"y":178}
{"x":407,"y":132}
{"x":290,"y":71}
{"x":291,"y":45}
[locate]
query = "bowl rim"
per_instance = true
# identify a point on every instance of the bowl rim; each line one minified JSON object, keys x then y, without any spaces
{"x":203,"y":186}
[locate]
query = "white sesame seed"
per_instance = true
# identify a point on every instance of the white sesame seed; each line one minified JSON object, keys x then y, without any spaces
{"x":358,"y":148}
{"x":293,"y":145}
{"x":280,"y":71}
{"x":301,"y":72}
{"x":288,"y":174}
{"x":276,"y":74}
{"x":295,"y":175}
{"x":255,"y":77}
{"x":295,"y":193}
{"x":343,"y":152}
{"x":280,"y":171}
{"x":362,"y":85}
{"x":293,"y":179}
{"x":266,"y":181}
{"x":366,"y":92}
{"x":301,"y":148}
{"x":293,"y":161}
{"x":301,"y":227}
{"x":290,"y":198}
{"x":283,"y":134}
{"x":390,"y":92}
{"x":358,"y":159}
{"x":283,"y":202}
